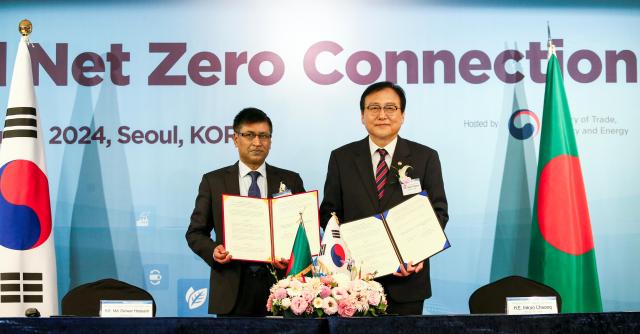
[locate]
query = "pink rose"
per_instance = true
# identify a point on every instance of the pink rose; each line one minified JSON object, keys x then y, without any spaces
{"x":308,"y":295}
{"x":326,"y":280}
{"x":325,"y":292}
{"x":298,"y":305}
{"x":339,"y":293}
{"x":373,"y":298}
{"x":346,"y":308}
{"x":280,"y":293}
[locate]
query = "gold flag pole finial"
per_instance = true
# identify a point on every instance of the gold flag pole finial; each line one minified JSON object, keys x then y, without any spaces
{"x":25,"y":27}
{"x":334,"y":215}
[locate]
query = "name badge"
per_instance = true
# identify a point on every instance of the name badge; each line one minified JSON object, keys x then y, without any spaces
{"x":126,"y":309}
{"x":411,"y":187}
{"x":532,"y":305}
{"x":280,"y":194}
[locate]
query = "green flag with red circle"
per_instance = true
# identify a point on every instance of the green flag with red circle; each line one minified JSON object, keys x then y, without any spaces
{"x":562,"y":254}
{"x":300,"y":260}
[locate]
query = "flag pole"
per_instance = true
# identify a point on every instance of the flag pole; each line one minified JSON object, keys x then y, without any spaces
{"x":301,"y":222}
{"x":550,"y":47}
{"x":27,"y":246}
{"x":562,"y":252}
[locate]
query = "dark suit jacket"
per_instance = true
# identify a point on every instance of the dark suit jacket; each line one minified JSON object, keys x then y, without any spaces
{"x":350,"y":192}
{"x":207,"y":216}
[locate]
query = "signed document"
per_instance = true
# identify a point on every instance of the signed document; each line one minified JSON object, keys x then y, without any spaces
{"x":260,"y":229}
{"x":410,"y":231}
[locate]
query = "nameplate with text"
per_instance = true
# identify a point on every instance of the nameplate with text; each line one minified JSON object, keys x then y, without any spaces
{"x":126,"y":309}
{"x":532,"y":305}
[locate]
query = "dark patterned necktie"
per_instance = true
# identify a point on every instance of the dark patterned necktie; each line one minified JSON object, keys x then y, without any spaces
{"x":381,"y":173}
{"x":254,"y":190}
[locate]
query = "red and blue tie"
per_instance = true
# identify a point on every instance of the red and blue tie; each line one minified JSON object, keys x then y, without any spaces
{"x":381,"y":173}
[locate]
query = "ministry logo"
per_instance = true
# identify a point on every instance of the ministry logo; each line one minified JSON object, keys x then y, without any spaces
{"x":524,"y":124}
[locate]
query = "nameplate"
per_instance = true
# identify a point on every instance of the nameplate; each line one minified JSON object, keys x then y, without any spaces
{"x":532,"y":305}
{"x":126,"y":309}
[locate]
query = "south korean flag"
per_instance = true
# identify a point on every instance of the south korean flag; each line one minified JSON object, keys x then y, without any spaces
{"x":27,"y":254}
{"x":334,"y":255}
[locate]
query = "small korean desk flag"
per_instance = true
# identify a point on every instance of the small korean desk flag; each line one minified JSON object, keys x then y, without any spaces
{"x":27,"y":254}
{"x":334,"y":255}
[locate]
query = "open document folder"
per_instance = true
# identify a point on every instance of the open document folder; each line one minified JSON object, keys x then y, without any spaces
{"x":261,"y":229}
{"x":410,"y":231}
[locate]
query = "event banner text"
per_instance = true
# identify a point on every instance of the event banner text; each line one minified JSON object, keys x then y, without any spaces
{"x":175,"y":65}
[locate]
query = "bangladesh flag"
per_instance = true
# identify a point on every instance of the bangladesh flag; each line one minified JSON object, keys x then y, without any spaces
{"x":300,"y":261}
{"x":562,"y":253}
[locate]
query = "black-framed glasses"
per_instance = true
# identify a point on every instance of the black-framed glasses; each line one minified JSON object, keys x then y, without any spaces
{"x":251,"y":136}
{"x":389,"y":109}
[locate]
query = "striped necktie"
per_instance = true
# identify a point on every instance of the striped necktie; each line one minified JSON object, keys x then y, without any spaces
{"x":381,"y":173}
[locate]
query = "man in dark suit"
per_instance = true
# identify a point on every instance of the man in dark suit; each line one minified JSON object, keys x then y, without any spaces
{"x":362,"y":180}
{"x":238,"y":288}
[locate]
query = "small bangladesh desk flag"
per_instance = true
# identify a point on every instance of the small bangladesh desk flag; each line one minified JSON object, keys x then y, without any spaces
{"x":300,"y":261}
{"x":27,"y":254}
{"x":562,"y":254}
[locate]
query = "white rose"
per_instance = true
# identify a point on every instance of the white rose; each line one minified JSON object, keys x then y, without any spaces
{"x":315,"y":283}
{"x":293,"y":292}
{"x":295,"y":284}
{"x":376,"y":286}
{"x":284,"y":283}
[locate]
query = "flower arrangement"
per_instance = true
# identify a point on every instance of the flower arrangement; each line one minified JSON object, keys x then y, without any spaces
{"x":335,"y":295}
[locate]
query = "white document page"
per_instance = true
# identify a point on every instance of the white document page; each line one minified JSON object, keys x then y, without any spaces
{"x":415,"y":229}
{"x":286,"y":212}
{"x":247,"y":233}
{"x":370,"y":246}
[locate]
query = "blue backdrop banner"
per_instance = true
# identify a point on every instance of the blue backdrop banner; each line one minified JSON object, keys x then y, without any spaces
{"x":137,"y":99}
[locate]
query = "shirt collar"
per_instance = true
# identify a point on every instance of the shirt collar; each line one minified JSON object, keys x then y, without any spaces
{"x":390,"y":148}
{"x":244,"y":169}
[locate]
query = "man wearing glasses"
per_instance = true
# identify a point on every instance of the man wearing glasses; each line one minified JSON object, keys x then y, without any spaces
{"x":238,"y":288}
{"x":362,"y":180}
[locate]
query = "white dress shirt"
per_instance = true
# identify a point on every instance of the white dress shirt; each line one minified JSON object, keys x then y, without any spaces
{"x":245,"y":179}
{"x":375,"y":156}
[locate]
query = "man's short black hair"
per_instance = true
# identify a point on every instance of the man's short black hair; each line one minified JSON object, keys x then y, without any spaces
{"x":378,"y":86}
{"x":249,"y":116}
